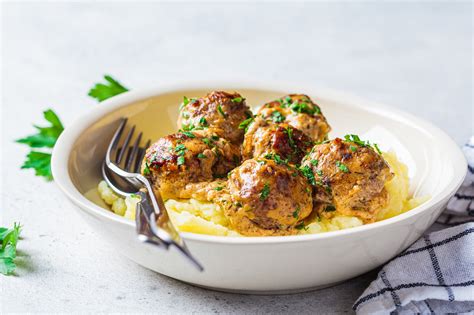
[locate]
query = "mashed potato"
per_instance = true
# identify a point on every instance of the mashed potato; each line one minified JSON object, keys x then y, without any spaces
{"x":207,"y":218}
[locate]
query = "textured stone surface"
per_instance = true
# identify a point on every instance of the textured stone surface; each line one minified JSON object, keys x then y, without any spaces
{"x":416,"y":57}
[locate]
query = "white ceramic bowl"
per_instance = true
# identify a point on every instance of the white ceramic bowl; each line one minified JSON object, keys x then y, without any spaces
{"x":267,"y":264}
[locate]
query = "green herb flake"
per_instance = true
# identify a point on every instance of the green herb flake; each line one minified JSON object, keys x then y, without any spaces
{"x":189,"y":134}
{"x":146,"y":169}
{"x":353,"y":148}
{"x":207,"y":141}
{"x":377,"y":148}
{"x":215,"y":138}
{"x":277,"y":117}
{"x":342,"y":167}
{"x":238,"y":99}
{"x":314,"y":162}
{"x":181,"y":160}
{"x":330,"y":208}
{"x":308,"y":173}
{"x":301,"y":226}
{"x":102,"y":91}
{"x":289,"y":132}
{"x":221,"y":111}
{"x":203,"y":122}
{"x":265,"y":192}
{"x":202,"y":156}
{"x":246,"y":123}
{"x":219,"y":188}
{"x":296,"y":213}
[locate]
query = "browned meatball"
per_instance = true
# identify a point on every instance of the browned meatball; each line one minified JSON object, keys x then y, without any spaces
{"x":299,"y":111}
{"x":182,"y":158}
{"x":349,"y":179}
{"x":267,"y":198}
{"x":220,"y":110}
{"x":279,"y":141}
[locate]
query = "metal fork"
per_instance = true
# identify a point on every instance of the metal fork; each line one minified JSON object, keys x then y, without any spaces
{"x":123,"y":176}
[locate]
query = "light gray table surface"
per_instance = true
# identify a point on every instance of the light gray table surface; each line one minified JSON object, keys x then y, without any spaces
{"x":417,"y":57}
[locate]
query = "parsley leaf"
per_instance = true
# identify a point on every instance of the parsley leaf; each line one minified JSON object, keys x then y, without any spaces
{"x":265,"y":192}
{"x":181,"y":160}
{"x":246,"y":123}
{"x":221,"y":111}
{"x":40,"y":162}
{"x":45,"y":138}
{"x":8,"y":240}
{"x":102,"y":91}
{"x":277,"y":117}
{"x":296,"y":213}
{"x":238,"y":99}
{"x":308,"y":173}
{"x":342,"y":167}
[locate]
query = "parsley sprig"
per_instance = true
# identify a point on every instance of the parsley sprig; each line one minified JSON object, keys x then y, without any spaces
{"x":40,"y":160}
{"x":46,"y":138}
{"x":356,"y":139}
{"x":8,"y":241}
{"x":103,"y":91}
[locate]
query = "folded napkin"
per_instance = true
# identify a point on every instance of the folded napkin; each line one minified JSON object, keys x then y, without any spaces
{"x":436,"y":274}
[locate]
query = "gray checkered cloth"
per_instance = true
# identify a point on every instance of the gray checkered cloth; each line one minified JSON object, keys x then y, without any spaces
{"x":436,"y":274}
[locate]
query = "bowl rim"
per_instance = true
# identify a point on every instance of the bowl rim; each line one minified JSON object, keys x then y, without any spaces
{"x":65,"y":143}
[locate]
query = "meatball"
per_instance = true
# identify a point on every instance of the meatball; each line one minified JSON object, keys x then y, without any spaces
{"x":349,"y":179}
{"x":267,"y":198}
{"x":299,"y":111}
{"x":220,"y":110}
{"x":281,"y":141}
{"x":188,"y":157}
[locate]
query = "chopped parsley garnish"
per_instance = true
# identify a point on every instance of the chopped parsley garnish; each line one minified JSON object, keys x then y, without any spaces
{"x":8,"y":240}
{"x":296,"y":213}
{"x":203,"y":122}
{"x":189,"y":134}
{"x":221,"y":111}
{"x":180,"y":147}
{"x":353,"y":148}
{"x":285,"y":102}
{"x":102,"y":91}
{"x":308,"y":173}
{"x":362,"y":143}
{"x":146,"y":169}
{"x":181,"y":160}
{"x":277,"y":117}
{"x":276,"y":158}
{"x":330,"y":208}
{"x":238,"y":99}
{"x":207,"y":141}
{"x":246,"y":123}
{"x":289,"y":132}
{"x":261,"y":162}
{"x":319,"y":172}
{"x":202,"y":156}
{"x":301,"y":226}
{"x":342,"y":167}
{"x":314,"y":162}
{"x":377,"y":148}
{"x":215,"y":138}
{"x":46,"y":137}
{"x":302,"y":107}
{"x":265,"y":192}
{"x":219,"y":188}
